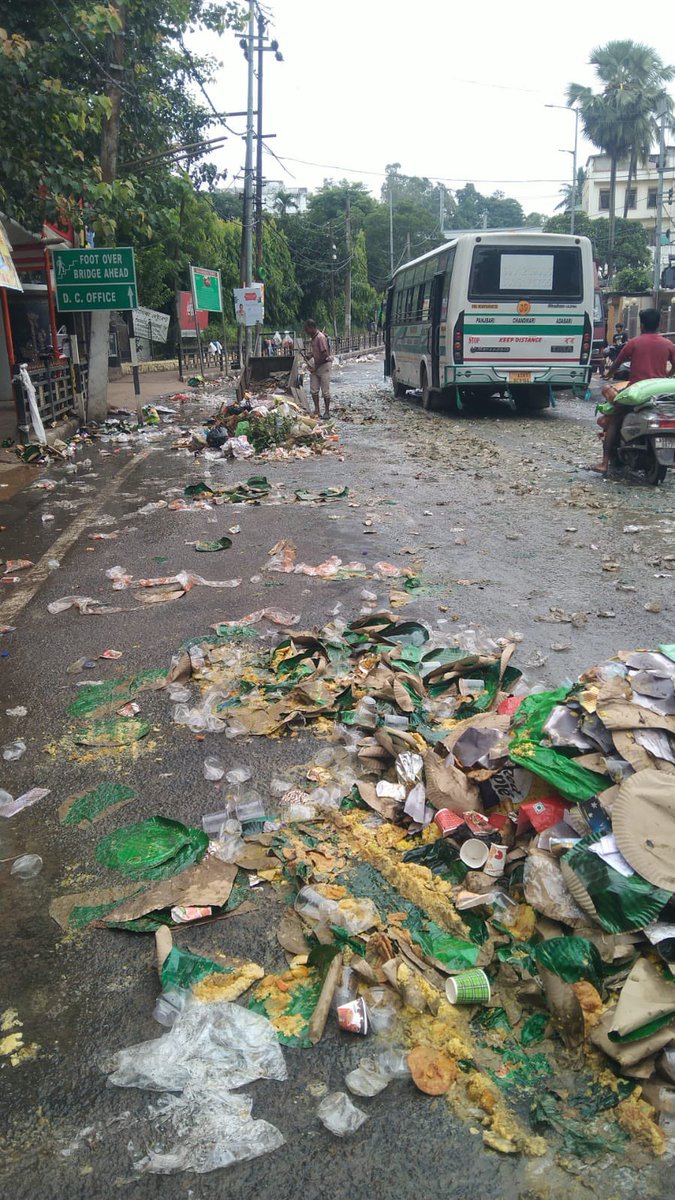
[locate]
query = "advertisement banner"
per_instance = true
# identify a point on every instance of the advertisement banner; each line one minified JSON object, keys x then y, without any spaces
{"x":249,"y":304}
{"x":8,"y":275}
{"x":186,"y":314}
{"x":207,"y":290}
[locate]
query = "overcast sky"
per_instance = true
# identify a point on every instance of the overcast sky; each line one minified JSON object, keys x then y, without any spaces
{"x":451,"y":91}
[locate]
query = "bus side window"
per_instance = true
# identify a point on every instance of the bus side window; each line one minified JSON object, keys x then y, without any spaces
{"x":419,"y":310}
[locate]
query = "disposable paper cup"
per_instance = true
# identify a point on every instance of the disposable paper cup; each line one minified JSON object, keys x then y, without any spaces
{"x":496,"y":859}
{"x":469,"y":987}
{"x":474,"y":853}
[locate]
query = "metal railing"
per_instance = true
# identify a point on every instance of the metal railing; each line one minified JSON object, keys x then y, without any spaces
{"x":56,"y":389}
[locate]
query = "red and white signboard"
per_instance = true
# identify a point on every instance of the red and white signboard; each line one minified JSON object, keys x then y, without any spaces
{"x":186,"y":315}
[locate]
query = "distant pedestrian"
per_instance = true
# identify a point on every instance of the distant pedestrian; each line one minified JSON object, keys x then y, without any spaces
{"x":319,"y":362}
{"x":288,"y":342}
{"x":276,"y":342}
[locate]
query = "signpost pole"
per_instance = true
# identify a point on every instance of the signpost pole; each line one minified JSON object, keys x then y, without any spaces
{"x":134,"y":358}
{"x":179,"y":333}
{"x":193,"y":289}
{"x":225,"y":356}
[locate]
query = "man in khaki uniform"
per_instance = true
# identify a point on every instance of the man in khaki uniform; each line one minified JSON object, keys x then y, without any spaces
{"x":319,"y":362}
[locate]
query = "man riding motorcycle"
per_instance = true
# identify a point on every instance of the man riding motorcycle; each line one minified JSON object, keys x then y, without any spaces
{"x":651,"y":356}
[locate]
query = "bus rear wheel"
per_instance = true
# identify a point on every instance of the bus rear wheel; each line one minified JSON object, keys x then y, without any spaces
{"x":399,"y":388}
{"x":428,"y":394}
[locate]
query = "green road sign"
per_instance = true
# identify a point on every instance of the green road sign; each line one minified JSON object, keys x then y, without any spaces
{"x":207,"y":289}
{"x":94,"y":279}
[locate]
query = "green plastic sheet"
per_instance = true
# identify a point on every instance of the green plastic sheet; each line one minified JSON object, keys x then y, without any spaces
{"x":92,"y":804}
{"x":222,"y":543}
{"x":154,"y":849}
{"x":571,"y":959}
{"x":572,"y":781}
{"x":182,"y":969}
{"x":534,"y":1029}
{"x":622,"y":903}
{"x":453,"y":952}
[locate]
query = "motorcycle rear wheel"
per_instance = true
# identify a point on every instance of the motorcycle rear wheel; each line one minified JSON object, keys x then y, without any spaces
{"x":655,"y":472}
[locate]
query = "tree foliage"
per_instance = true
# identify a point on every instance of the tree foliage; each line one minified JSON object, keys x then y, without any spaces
{"x":620,"y":118}
{"x":631,"y":247}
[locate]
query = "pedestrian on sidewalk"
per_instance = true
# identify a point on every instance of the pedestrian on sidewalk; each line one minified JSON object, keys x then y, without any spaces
{"x":319,"y":362}
{"x":651,"y":356}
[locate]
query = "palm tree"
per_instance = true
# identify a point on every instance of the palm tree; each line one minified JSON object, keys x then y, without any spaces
{"x":620,"y":119}
{"x":566,"y":192}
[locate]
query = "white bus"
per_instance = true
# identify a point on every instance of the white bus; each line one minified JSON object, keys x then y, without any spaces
{"x":510,"y":313}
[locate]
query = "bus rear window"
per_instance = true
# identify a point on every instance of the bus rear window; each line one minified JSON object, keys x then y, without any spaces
{"x":551,"y":273}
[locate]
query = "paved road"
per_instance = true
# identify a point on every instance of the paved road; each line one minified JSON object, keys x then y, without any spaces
{"x":504,"y":525}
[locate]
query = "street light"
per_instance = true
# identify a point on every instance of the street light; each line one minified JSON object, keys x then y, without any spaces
{"x":573,"y":198}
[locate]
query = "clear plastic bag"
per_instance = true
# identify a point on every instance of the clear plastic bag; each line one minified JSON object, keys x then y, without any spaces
{"x":368,"y":1079}
{"x":203,"y":1131}
{"x":206,"y":1044}
{"x":339,"y":1115}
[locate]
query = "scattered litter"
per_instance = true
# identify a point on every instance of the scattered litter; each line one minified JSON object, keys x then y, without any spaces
{"x":26,"y":866}
{"x":9,"y":807}
{"x":14,"y":750}
{"x":340,"y":1115}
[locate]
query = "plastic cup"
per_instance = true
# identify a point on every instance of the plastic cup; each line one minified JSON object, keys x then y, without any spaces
{"x":496,"y":859}
{"x":474,"y":854}
{"x":469,"y":987}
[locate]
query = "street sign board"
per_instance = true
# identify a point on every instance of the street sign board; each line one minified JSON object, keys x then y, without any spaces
{"x":249,"y":304}
{"x":186,"y":316}
{"x":207,"y":290}
{"x":87,"y":279}
{"x":151,"y":325}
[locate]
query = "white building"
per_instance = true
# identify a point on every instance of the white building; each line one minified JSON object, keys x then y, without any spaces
{"x":643,"y":192}
{"x":296,"y":198}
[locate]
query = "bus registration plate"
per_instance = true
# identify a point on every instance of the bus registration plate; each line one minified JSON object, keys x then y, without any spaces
{"x":520,"y":377}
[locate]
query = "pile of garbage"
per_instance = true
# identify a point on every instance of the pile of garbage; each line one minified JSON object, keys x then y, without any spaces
{"x":265,"y":425}
{"x":479,"y":880}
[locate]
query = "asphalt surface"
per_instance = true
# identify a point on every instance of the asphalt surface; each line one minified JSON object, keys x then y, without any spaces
{"x":498,"y":516}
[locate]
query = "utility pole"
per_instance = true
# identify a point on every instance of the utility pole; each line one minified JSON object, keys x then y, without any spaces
{"x":663,"y":117}
{"x":408,"y":251}
{"x":348,"y":276}
{"x":441,"y":206}
{"x":248,"y":168}
{"x":391,"y":223}
{"x":97,"y":408}
{"x":259,"y":150}
{"x":332,"y":278}
{"x":573,"y":197}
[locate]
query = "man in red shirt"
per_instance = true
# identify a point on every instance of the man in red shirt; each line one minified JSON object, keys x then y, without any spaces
{"x":651,"y":356}
{"x":319,"y":364}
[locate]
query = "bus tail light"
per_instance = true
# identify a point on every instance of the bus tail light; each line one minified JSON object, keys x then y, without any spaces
{"x":458,"y":340}
{"x":587,"y":340}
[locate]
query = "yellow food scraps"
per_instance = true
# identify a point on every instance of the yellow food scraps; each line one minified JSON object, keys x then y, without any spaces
{"x":590,"y":1001}
{"x":11,"y":1045}
{"x":638,"y":1119}
{"x":227,"y":987}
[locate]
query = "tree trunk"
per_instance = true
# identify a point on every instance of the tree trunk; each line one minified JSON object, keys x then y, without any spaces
{"x":612,"y":218}
{"x":97,"y":407}
{"x":632,"y":172}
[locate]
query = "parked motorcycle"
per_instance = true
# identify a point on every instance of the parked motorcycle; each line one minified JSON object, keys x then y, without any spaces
{"x":647,"y":441}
